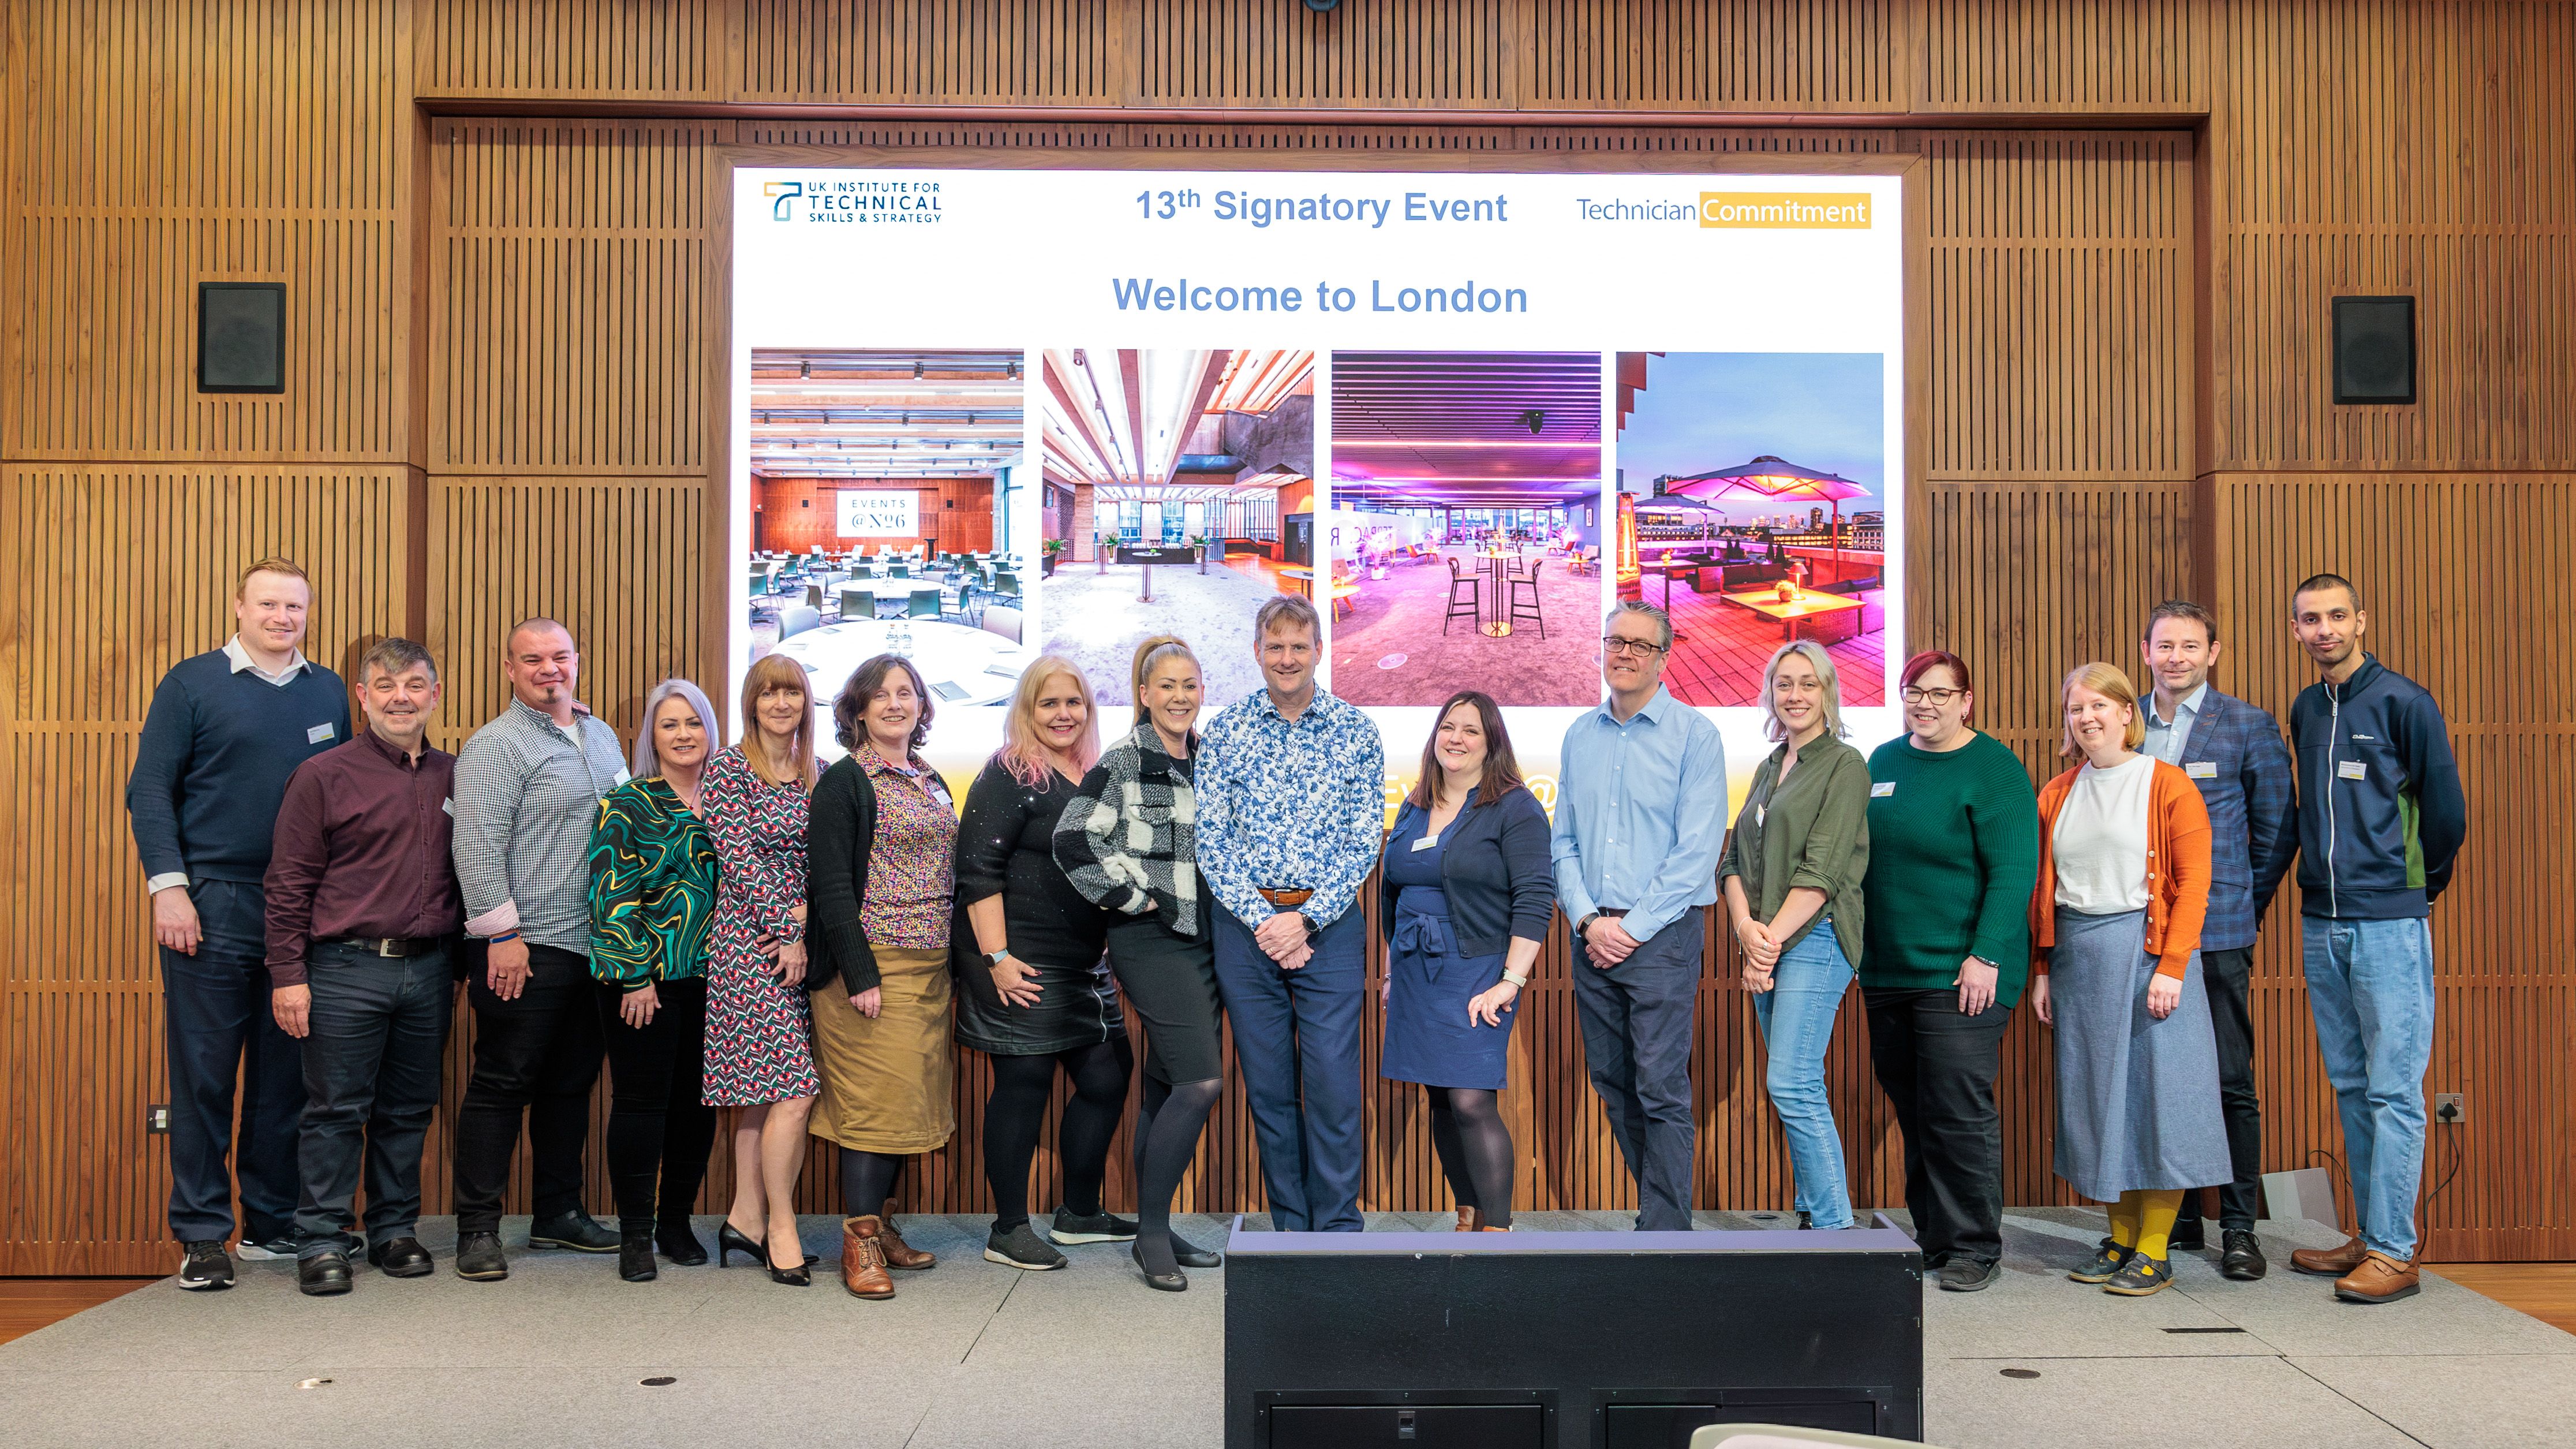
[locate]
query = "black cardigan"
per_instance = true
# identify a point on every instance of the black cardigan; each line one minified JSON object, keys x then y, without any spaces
{"x":841,"y":830}
{"x":1494,"y":869}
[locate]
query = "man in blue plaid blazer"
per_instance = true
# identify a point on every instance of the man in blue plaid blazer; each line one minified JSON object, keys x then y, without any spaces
{"x":2234,"y":752}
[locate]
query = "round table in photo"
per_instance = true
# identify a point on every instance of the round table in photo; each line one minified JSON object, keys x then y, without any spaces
{"x":961,"y":665}
{"x":1495,"y":560}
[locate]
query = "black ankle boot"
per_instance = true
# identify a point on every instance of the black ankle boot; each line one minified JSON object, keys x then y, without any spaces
{"x":679,"y":1243}
{"x":635,"y":1255}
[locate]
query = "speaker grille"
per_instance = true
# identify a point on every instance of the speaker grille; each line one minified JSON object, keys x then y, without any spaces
{"x":2374,"y":349}
{"x":241,"y":337}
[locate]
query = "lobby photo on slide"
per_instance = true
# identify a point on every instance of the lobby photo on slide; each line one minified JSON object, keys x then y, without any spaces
{"x":1179,"y":493}
{"x":884,"y":487}
{"x":1752,"y":506}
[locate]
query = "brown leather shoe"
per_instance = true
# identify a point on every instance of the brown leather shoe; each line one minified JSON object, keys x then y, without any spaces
{"x":1471,"y":1220}
{"x":2330,"y":1262}
{"x":2379,"y":1279}
{"x":903,"y":1255}
{"x":863,"y":1264}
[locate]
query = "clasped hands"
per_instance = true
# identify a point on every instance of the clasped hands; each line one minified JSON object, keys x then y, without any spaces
{"x":1283,"y":939}
{"x":1761,"y":953}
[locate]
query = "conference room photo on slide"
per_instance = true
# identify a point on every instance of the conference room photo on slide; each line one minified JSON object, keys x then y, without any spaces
{"x":1461,"y":413}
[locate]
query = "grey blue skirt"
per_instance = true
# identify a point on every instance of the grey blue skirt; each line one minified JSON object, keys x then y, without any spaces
{"x":2137,"y":1098}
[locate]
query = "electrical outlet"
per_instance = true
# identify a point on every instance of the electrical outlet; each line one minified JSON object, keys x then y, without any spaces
{"x":156,"y":1119}
{"x":2447,"y":1109}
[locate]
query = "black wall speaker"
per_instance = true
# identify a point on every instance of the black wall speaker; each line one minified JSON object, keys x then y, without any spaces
{"x":2374,"y":349}
{"x":241,"y":337}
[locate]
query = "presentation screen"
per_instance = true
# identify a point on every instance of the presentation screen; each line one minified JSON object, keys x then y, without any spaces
{"x":982,"y":417}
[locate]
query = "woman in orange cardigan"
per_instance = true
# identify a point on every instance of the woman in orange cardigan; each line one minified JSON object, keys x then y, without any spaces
{"x":2123,"y":884}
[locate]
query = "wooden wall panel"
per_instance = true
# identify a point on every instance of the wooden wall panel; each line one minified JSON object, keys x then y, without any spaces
{"x":2385,"y":148}
{"x":2105,"y":57}
{"x":1755,"y":55}
{"x":109,"y":575}
{"x":1426,"y":53}
{"x":155,"y":146}
{"x":631,"y":49}
{"x":2060,"y":279}
{"x":568,"y":308}
{"x":942,"y":51}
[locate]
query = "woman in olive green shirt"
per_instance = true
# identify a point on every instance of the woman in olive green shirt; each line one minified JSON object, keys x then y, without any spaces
{"x":1792,"y":871}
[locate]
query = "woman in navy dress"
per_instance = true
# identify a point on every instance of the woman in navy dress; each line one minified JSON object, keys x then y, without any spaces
{"x":1465,"y":898}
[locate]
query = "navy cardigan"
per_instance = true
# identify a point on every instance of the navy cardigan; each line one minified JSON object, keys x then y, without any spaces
{"x":1494,"y":869}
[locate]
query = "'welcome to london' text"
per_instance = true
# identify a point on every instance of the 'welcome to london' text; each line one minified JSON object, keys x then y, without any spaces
{"x":1145,"y":294}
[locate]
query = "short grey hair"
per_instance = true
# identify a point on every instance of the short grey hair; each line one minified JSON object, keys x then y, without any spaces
{"x":1663,"y":621}
{"x":1287,"y":609}
{"x":642,"y":760}
{"x":1823,"y":663}
{"x":393,"y":656}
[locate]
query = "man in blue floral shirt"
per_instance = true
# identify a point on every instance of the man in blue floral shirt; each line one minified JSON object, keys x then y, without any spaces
{"x":1291,"y":789}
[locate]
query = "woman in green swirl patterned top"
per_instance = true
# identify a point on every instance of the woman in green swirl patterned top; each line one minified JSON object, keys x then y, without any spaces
{"x":652,"y":899}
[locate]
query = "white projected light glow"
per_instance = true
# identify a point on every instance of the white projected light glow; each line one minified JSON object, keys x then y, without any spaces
{"x":1464,"y":413}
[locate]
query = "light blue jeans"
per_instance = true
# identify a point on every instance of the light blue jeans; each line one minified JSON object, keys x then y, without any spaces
{"x":2370,"y":984}
{"x":1797,"y":1020}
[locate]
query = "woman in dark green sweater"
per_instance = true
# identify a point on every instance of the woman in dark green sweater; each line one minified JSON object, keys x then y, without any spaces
{"x":1954,"y":855}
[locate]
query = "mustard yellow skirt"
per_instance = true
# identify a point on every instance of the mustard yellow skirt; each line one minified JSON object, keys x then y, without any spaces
{"x":887,"y":1081}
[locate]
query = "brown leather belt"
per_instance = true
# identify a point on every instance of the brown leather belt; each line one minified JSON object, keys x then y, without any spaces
{"x":1285,"y":900}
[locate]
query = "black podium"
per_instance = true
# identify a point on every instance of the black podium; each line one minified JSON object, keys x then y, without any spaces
{"x":1535,"y":1340}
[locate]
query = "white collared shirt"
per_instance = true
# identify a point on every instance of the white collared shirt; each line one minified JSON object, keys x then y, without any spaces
{"x":2167,"y":738}
{"x":241,"y":660}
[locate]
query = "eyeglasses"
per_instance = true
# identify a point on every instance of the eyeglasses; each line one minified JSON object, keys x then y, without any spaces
{"x":1640,"y":648}
{"x":1934,"y":697}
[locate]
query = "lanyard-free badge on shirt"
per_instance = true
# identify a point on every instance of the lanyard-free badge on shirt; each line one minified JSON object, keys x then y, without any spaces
{"x":318,"y":733}
{"x":2351,"y":770}
{"x":2201,"y":769}
{"x":1882,"y":789}
{"x":1426,"y":842}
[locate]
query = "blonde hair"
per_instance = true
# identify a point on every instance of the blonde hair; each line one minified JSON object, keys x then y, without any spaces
{"x":1021,"y":754}
{"x":2112,"y":683}
{"x":768,"y":672}
{"x":1149,"y":653}
{"x":1823,"y":663}
{"x":273,"y":564}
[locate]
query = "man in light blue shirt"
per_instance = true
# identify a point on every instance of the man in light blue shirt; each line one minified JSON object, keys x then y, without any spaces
{"x":1640,"y":815}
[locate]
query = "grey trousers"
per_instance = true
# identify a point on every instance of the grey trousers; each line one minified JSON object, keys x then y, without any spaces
{"x":1636,"y":1020}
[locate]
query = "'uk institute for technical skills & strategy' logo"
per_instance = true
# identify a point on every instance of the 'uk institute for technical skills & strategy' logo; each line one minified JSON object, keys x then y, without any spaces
{"x":845,"y":202}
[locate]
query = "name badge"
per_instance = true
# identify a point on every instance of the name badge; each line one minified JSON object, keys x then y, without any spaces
{"x":623,"y":776}
{"x":318,"y":734}
{"x":1882,"y":789}
{"x":2201,"y":769}
{"x":1426,"y":842}
{"x":2351,"y":770}
{"x":1761,"y":814}
{"x":448,"y":805}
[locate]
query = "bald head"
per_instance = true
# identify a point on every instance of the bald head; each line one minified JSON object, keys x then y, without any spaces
{"x":543,"y":667}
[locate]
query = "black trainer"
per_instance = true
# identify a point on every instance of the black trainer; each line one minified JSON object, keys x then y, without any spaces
{"x":576,"y":1230}
{"x":2188,"y":1235}
{"x":401,"y":1258}
{"x":2241,"y":1257}
{"x":279,"y":1249}
{"x":479,"y":1257}
{"x":1021,"y":1247}
{"x":206,"y":1265}
{"x":1963,"y":1274}
{"x":1100,"y":1227}
{"x":323,"y":1274}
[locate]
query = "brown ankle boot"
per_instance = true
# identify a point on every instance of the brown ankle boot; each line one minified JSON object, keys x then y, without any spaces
{"x":2330,"y":1262}
{"x":863,"y":1264}
{"x":1471,"y":1220}
{"x":903,"y":1255}
{"x":2379,"y":1279}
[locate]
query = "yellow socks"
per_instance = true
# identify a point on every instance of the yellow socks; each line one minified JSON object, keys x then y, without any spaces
{"x":2124,"y":1220}
{"x":2156,"y":1212}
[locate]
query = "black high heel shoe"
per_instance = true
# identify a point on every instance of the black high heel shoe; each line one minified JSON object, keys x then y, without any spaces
{"x":800,"y":1276}
{"x":731,"y":1240}
{"x":1172,"y":1282}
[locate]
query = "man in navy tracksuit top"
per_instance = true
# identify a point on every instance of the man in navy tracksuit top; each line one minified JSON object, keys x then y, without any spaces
{"x":224,"y":731}
{"x":2381,"y":818}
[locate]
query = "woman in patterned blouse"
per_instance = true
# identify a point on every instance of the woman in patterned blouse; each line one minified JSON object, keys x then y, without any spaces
{"x":758,"y":1057}
{"x":884,"y":893}
{"x":652,"y":900}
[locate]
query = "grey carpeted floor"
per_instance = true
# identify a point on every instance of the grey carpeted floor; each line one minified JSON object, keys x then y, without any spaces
{"x":971,"y":1353}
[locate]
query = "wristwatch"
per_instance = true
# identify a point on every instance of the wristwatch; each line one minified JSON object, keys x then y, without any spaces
{"x":1515,"y":978}
{"x":1585,"y":924}
{"x":996,"y":958}
{"x":1982,"y":961}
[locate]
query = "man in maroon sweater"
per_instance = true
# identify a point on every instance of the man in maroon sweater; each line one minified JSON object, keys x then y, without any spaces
{"x":362,"y":914}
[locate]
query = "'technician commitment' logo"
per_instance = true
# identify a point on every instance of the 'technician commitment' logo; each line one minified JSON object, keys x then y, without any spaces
{"x":1767,"y":210}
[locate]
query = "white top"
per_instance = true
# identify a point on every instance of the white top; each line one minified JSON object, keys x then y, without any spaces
{"x":2099,"y":840}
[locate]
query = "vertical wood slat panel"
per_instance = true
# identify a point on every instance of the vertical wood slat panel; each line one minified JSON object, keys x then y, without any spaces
{"x":1262,"y":53}
{"x":154,"y":147}
{"x":942,"y":51}
{"x":1753,"y":55}
{"x":632,"y":49}
{"x":2100,"y":56}
{"x":110,"y":574}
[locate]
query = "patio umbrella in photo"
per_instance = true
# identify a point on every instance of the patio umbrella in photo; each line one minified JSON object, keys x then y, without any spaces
{"x":1676,"y":504}
{"x":1770,"y":477}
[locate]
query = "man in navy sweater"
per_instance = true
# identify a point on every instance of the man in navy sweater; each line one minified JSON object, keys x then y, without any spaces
{"x":225,"y":730}
{"x":2381,"y":818}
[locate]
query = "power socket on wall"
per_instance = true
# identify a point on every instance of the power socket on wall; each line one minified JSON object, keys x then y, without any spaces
{"x":2448,"y":1109}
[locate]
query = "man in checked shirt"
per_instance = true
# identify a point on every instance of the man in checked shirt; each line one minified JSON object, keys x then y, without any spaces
{"x":1291,"y":789}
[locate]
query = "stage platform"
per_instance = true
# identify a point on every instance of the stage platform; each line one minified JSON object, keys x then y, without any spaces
{"x":974,"y":1354}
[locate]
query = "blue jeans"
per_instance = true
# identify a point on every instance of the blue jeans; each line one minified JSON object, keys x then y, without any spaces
{"x":2370,"y":984}
{"x":1297,"y":1040}
{"x":1797,"y":1020}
